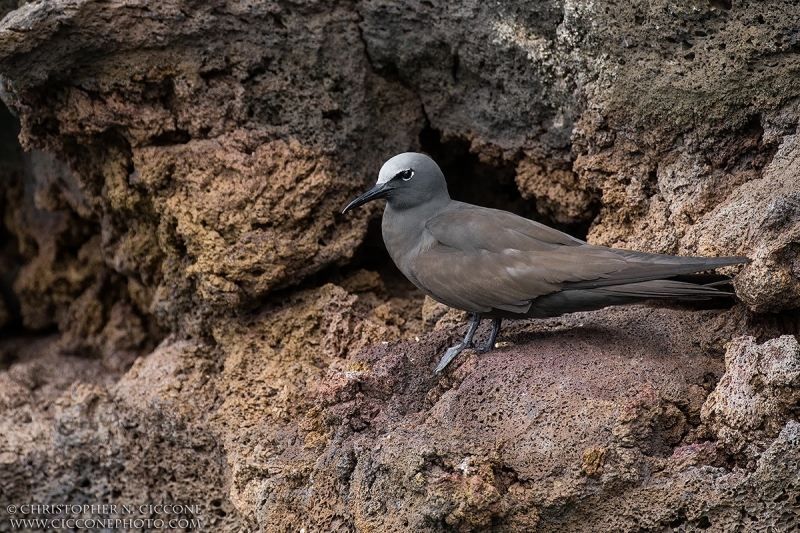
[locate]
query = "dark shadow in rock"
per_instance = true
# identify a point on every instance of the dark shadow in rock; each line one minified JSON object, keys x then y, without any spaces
{"x":11,"y":172}
{"x":485,"y":184}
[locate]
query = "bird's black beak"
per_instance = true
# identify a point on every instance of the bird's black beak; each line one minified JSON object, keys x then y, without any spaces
{"x":381,"y":190}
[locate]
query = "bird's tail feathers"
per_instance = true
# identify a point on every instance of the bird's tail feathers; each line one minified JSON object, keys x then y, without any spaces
{"x":572,"y":300}
{"x":662,"y":289}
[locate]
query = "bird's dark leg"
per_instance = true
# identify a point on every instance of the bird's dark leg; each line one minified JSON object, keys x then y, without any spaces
{"x":453,"y":351}
{"x":489,"y":346}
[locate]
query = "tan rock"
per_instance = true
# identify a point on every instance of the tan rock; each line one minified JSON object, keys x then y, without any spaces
{"x":754,"y":399}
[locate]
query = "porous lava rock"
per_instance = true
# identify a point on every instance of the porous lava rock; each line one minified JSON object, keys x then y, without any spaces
{"x":757,"y":395}
{"x":221,"y":343}
{"x":215,"y":142}
{"x":191,"y":423}
{"x":308,"y":415}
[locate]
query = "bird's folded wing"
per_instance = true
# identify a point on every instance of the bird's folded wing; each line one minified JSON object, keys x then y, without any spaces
{"x":485,"y":258}
{"x":481,"y":280}
{"x":468,"y":227}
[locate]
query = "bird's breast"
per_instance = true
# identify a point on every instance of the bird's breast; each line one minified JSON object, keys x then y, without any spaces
{"x":405,"y":238}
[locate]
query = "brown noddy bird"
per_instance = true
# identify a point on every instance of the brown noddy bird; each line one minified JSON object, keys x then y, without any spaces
{"x":495,"y":264}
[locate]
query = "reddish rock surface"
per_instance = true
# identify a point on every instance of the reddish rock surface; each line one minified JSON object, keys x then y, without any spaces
{"x":187,"y":317}
{"x":596,"y":419}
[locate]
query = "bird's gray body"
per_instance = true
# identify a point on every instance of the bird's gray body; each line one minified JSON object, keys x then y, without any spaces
{"x":500,"y":265}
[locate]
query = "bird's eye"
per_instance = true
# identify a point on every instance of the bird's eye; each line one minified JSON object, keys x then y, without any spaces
{"x":405,"y":174}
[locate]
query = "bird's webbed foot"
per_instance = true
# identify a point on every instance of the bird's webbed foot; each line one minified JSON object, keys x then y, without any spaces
{"x":453,"y":351}
{"x":449,"y":355}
